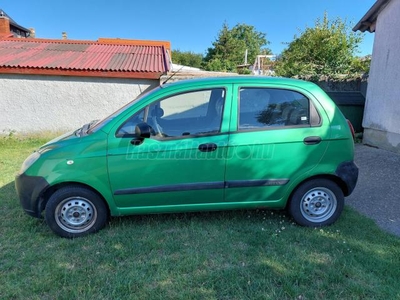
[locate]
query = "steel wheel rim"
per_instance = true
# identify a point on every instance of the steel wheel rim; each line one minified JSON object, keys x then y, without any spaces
{"x":318,"y":204}
{"x":75,"y":214}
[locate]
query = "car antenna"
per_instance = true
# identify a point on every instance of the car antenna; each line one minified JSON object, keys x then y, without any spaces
{"x":172,"y":75}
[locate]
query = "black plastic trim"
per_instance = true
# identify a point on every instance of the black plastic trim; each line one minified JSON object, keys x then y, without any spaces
{"x":201,"y":186}
{"x":29,"y":190}
{"x":312,"y":140}
{"x":348,"y":173}
{"x":255,"y":183}
{"x":172,"y":188}
{"x":208,"y":147}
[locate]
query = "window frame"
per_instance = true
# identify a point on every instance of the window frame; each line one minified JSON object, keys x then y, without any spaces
{"x":167,"y":138}
{"x":314,"y":115}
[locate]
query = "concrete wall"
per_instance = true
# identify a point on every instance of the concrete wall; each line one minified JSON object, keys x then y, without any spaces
{"x":31,"y":103}
{"x":382,"y":110}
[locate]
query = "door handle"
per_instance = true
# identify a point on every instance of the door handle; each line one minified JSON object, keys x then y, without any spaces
{"x":312,"y":140}
{"x":137,"y":141}
{"x":209,"y":147}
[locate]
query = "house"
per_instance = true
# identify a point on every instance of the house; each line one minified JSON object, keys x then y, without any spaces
{"x":10,"y":28}
{"x":58,"y":85}
{"x":381,"y":120}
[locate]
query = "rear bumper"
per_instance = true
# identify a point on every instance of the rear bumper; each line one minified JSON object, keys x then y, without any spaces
{"x":30,"y":190}
{"x":348,"y":172}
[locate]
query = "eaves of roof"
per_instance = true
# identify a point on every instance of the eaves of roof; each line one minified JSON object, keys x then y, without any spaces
{"x":13,"y":23}
{"x":368,"y":21}
{"x":20,"y":27}
{"x":84,"y":58}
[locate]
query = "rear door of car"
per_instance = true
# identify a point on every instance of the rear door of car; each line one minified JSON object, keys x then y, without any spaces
{"x":278,"y":134}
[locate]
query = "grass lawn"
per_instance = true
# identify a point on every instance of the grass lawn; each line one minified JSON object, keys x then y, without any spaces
{"x":257,"y":254}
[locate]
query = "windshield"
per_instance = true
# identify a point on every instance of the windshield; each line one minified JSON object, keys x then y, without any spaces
{"x":99,"y":124}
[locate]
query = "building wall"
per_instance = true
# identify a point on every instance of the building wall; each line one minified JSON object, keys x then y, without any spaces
{"x":30,"y":103}
{"x":382,"y":110}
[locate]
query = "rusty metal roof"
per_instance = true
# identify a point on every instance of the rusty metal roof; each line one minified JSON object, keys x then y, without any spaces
{"x":86,"y":56}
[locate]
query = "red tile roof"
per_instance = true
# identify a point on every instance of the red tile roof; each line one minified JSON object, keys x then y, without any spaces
{"x":104,"y":58}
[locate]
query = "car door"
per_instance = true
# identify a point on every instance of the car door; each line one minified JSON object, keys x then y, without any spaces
{"x":279,"y":133}
{"x":182,"y":164}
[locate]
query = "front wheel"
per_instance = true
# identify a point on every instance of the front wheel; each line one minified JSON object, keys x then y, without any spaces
{"x":317,"y":202}
{"x":74,"y":211}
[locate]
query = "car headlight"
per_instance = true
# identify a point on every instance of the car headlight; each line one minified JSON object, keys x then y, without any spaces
{"x":29,"y":161}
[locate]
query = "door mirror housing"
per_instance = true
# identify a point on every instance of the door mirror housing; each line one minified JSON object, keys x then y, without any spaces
{"x":143,"y":130}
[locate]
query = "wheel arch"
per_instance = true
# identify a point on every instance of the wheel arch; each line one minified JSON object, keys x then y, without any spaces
{"x":52,"y":189}
{"x":342,"y":185}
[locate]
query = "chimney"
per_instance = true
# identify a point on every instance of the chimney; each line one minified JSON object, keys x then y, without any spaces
{"x":32,"y":32}
{"x":64,"y":35}
{"x":4,"y":25}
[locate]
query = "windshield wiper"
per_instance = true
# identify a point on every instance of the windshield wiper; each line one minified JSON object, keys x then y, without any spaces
{"x":85,"y":128}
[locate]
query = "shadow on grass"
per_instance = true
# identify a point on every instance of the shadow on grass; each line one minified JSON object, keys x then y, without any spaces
{"x":243,"y":254}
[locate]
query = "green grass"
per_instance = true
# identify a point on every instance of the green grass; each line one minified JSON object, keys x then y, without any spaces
{"x":257,"y":254}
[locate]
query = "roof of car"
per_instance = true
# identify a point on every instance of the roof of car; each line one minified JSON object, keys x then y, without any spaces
{"x":244,"y":79}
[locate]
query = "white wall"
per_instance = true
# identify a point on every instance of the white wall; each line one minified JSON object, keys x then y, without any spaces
{"x":382,"y":111}
{"x":60,"y":103}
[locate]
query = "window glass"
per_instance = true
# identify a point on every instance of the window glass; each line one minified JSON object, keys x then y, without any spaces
{"x":193,"y":113}
{"x":263,"y":107}
{"x":128,"y":128}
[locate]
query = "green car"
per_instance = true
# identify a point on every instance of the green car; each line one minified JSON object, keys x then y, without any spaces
{"x":198,"y":145}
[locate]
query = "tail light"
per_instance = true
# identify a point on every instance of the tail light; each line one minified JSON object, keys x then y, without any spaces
{"x":353,"y":133}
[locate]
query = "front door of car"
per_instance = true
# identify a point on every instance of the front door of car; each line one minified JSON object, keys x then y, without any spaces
{"x":182,"y":163}
{"x":278,"y":135}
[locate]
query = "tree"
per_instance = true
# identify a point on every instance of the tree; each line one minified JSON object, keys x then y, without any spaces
{"x":229,"y":48}
{"x":187,"y":58}
{"x":327,"y":49}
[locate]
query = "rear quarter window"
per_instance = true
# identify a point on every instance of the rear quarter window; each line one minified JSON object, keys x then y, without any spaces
{"x":263,"y":108}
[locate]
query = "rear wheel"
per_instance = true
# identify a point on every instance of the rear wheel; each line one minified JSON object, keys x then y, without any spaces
{"x":75,"y":211}
{"x":317,"y":202}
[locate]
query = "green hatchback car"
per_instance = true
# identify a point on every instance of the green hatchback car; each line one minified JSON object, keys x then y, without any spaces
{"x":198,"y":145}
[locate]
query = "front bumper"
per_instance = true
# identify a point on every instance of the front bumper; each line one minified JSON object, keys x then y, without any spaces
{"x":348,"y":172}
{"x":29,"y":190}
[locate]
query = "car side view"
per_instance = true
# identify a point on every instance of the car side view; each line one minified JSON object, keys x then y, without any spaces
{"x":224,"y":143}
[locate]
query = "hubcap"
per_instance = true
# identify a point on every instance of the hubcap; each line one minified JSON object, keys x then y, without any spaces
{"x":318,"y":204}
{"x":75,"y":214}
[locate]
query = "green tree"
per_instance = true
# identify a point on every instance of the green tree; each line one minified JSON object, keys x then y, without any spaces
{"x":327,"y":49}
{"x":187,"y":58}
{"x":361,"y":64}
{"x":229,"y":48}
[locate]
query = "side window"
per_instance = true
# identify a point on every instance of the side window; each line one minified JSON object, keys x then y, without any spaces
{"x":128,"y":128}
{"x":192,"y":113}
{"x":266,"y":107}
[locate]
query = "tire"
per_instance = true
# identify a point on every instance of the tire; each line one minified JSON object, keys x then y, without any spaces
{"x":75,"y":211}
{"x":318,"y":202}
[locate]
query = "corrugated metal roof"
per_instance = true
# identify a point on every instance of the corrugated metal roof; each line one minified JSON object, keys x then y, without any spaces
{"x":82,"y":56}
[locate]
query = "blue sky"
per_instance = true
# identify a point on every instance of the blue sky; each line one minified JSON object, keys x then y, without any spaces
{"x":188,"y":25}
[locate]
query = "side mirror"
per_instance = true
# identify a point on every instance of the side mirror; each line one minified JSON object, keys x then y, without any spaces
{"x":143,"y":130}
